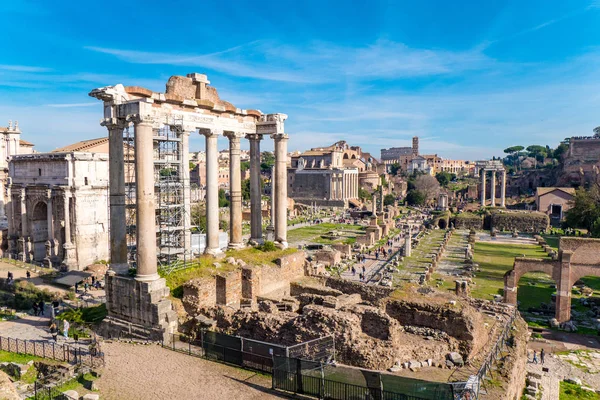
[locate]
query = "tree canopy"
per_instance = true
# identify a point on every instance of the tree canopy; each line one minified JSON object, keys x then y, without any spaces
{"x":444,"y":178}
{"x":415,"y":198}
{"x":389,"y":199}
{"x":428,"y":186}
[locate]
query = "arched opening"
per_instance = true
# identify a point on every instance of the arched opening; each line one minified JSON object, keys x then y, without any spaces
{"x":536,"y":296}
{"x":442,"y":223}
{"x":345,"y":156}
{"x":39,"y":232}
{"x":353,"y":156}
{"x":585,"y":304}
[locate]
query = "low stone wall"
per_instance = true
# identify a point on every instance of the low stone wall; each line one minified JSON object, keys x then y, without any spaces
{"x":371,"y":294}
{"x":520,"y":221}
{"x":299,"y":288}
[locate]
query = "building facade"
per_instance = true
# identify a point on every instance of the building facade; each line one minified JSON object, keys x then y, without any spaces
{"x":58,"y":208}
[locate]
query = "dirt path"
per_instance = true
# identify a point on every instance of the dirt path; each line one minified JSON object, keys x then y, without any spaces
{"x":151,"y":372}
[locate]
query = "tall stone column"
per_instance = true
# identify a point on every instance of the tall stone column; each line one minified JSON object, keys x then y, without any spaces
{"x":116,"y":181}
{"x":281,"y":188}
{"x":147,"y":269}
{"x":235,"y":191}
{"x":482,"y":173}
{"x":68,"y":247}
{"x":212,"y":193}
{"x":503,"y":189}
{"x":50,"y":215}
{"x":12,"y":249}
{"x":493,"y":189}
{"x":187,"y":208}
{"x":23,"y":242}
{"x":255,"y":189}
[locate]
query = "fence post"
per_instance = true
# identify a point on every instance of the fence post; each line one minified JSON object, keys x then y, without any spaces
{"x":173,"y":341}
{"x":26,"y":347}
{"x":189,"y":346}
{"x":53,"y":353}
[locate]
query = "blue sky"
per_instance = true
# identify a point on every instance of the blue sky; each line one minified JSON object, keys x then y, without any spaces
{"x":468,"y":78}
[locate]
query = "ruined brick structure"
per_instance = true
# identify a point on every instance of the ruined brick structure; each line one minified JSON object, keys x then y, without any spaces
{"x":578,"y":257}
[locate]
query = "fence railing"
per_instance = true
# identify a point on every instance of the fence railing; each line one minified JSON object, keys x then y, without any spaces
{"x":53,"y":351}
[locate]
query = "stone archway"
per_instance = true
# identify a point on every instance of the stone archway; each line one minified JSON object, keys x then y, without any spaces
{"x":578,"y":257}
{"x":39,"y":231}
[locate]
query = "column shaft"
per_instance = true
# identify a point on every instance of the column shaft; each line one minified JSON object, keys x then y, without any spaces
{"x":482,"y":172}
{"x":503,"y":189}
{"x":281,"y":188}
{"x":187,"y":208}
{"x":255,"y":189}
{"x":118,"y":219}
{"x":50,"y":216}
{"x":24,"y":227}
{"x":145,"y":203}
{"x":212,"y":194}
{"x":235,"y":191}
{"x":493,"y":189}
{"x":11,"y":213}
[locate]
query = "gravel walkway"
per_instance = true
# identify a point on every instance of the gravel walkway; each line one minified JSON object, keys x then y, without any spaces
{"x":151,"y":372}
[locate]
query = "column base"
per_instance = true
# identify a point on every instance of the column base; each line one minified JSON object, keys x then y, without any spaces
{"x":70,"y":260}
{"x":282,"y":245}
{"x":147,"y":278}
{"x":215,"y":252}
{"x":270,"y":233}
{"x":256,"y":241}
{"x":235,"y":246}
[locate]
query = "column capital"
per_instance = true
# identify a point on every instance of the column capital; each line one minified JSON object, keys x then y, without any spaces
{"x":231,"y":135}
{"x":139,"y":119}
{"x":210,"y":132}
{"x":280,"y":136}
{"x":114,"y":123}
{"x":254,"y":136}
{"x":49,"y":193}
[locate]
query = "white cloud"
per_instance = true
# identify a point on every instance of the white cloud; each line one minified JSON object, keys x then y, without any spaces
{"x":23,"y":68}
{"x":71,"y":105}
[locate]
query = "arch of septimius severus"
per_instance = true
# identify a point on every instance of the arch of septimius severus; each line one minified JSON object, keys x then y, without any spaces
{"x":191,"y":106}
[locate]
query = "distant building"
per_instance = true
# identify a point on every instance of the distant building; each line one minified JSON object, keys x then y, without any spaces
{"x":325,"y":176}
{"x":400,"y":155}
{"x":420,"y":165}
{"x":554,"y":201}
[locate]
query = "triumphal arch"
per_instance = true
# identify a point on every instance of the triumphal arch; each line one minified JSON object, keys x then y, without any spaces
{"x":189,"y":106}
{"x":577,"y":258}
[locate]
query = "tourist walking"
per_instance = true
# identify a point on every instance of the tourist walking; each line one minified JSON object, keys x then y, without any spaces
{"x":542,"y":355}
{"x":28,"y":274}
{"x":42,"y":307}
{"x":54,"y":331}
{"x":353,"y":271}
{"x":35,"y":308}
{"x":66,"y":327}
{"x":535,"y":360}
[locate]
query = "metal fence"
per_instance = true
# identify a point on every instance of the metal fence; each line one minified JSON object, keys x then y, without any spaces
{"x":247,"y":353}
{"x":49,"y":392}
{"x":54,"y":351}
{"x":320,"y":349}
{"x":339,"y":382}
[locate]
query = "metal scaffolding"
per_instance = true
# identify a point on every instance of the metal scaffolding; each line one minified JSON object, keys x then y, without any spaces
{"x":171,"y":230}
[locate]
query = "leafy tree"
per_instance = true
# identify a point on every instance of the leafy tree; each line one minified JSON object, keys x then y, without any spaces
{"x":389,"y":199}
{"x":415,"y":198}
{"x":444,"y":178}
{"x":246,"y":189}
{"x":198,"y":215}
{"x":560,"y":150}
{"x":244,"y":166}
{"x":363,"y":194}
{"x":192,"y":165}
{"x":267,"y":160}
{"x":513,"y":149}
{"x":394,"y":168}
{"x":223,"y":202}
{"x":597,"y":131}
{"x":585,"y":212}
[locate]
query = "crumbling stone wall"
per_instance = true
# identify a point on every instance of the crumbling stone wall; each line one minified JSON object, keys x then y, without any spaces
{"x":468,"y":221}
{"x":371,"y":294}
{"x":520,"y":221}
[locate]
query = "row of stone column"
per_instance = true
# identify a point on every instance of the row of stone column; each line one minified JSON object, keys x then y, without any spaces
{"x":350,"y":186}
{"x":145,"y":200}
{"x":493,"y":187}
{"x":24,"y":239}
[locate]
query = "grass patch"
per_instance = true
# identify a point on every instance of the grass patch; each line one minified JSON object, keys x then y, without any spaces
{"x":570,"y":391}
{"x":494,"y":260}
{"x":6,"y":356}
{"x":313,"y":233}
{"x":552,"y":240}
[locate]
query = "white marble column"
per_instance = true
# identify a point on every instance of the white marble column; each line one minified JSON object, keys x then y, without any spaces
{"x":147,"y":269}
{"x":187,"y":207}
{"x":118,"y":220}
{"x":50,"y":215}
{"x":482,"y":173}
{"x":24,"y":227}
{"x":281,"y":188}
{"x":256,"y":235}
{"x":68,"y":247}
{"x":212,"y":192}
{"x":503,"y":189}
{"x":493,"y":189}
{"x":235,"y":191}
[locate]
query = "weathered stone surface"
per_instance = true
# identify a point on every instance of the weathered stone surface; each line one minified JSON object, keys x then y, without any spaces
{"x":574,"y":380}
{"x":455,"y":358}
{"x":7,"y":389}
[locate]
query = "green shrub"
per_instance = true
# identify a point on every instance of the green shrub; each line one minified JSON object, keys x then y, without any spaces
{"x":267,"y":246}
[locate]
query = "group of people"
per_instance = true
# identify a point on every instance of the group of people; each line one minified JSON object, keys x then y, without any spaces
{"x":39,"y":308}
{"x":10,"y":278}
{"x":54,"y":330}
{"x":535,"y":357}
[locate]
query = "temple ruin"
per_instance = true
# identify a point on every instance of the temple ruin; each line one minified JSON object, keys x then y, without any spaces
{"x":188,"y":105}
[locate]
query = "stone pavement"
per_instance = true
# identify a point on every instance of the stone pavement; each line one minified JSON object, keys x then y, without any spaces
{"x":453,"y":257}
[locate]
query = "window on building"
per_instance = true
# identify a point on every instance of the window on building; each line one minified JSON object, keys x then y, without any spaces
{"x":85,"y":181}
{"x":39,"y":172}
